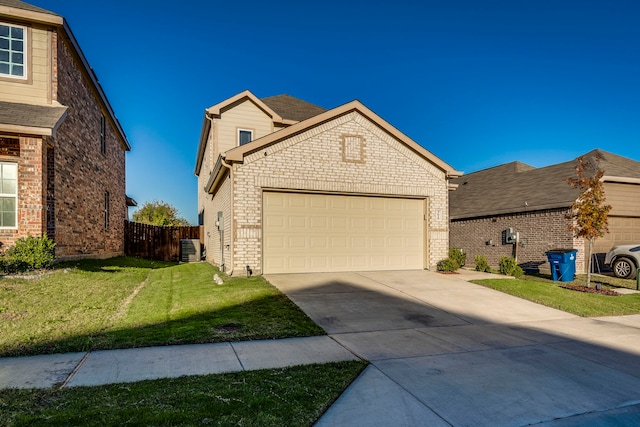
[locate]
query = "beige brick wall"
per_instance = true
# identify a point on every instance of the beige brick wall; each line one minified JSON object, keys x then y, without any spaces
{"x":313,"y":161}
{"x":540,"y":231}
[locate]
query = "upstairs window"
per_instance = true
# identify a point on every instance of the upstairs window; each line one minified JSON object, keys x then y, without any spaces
{"x":8,"y":195}
{"x":12,"y":51}
{"x":244,"y":136}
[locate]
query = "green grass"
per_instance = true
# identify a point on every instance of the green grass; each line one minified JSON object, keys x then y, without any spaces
{"x":294,"y":396}
{"x":128,"y":302}
{"x":549,"y":293}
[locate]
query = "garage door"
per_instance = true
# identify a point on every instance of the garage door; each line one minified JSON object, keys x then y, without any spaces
{"x":622,"y":231}
{"x":318,"y":232}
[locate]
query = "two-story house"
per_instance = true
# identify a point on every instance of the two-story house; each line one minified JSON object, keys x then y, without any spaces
{"x":62,"y":150}
{"x":287,"y":186}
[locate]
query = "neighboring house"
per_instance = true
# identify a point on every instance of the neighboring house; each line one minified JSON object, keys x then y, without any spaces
{"x":286,"y":186}
{"x":534,"y":202}
{"x":62,"y":150}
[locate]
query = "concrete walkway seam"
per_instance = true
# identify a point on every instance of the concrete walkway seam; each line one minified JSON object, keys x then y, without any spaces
{"x":76,"y":369}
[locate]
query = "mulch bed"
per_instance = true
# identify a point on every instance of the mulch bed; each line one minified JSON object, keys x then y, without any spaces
{"x":608,"y":292}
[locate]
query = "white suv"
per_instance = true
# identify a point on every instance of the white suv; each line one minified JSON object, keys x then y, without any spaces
{"x":624,"y":260}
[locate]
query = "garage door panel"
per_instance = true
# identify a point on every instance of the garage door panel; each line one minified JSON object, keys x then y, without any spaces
{"x":318,"y":262}
{"x":318,"y":243}
{"x":318,"y":203}
{"x":337,"y":203}
{"x":297,"y":262}
{"x":358,"y":204}
{"x":622,"y":231}
{"x":275,"y":242}
{"x":358,"y":242}
{"x":338,"y":223}
{"x":318,"y":222}
{"x":315,"y":233}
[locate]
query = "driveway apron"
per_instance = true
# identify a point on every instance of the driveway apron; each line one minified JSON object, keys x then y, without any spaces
{"x":447,"y":352}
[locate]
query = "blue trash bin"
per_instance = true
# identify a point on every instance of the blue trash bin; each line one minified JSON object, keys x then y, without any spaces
{"x":563,"y":264}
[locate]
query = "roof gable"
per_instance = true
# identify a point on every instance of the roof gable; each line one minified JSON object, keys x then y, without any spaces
{"x":217,"y":109}
{"x":238,"y":154}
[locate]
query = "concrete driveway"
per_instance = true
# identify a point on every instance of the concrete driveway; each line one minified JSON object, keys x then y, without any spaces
{"x":445,"y":352}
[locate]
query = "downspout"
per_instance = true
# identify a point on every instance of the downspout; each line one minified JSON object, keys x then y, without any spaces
{"x":231,"y":231}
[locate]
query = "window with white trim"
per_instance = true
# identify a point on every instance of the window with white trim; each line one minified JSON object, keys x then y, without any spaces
{"x":13,"y":58}
{"x":244,"y":136}
{"x":8,"y":195}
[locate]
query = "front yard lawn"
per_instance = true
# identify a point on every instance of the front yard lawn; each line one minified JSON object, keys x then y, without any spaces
{"x":294,"y":396}
{"x":549,"y":293}
{"x":129,"y":302}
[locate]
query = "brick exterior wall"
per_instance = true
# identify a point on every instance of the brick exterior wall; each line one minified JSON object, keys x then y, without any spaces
{"x":313,"y":161}
{"x":30,"y":158}
{"x":539,"y":230}
{"x":82,"y":173}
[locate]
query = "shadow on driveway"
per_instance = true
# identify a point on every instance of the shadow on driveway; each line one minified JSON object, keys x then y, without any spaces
{"x":448,"y":352}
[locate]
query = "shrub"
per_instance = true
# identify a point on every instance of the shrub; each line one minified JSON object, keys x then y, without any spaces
{"x":509,"y":267}
{"x":481,"y":263}
{"x":448,"y":265}
{"x":458,"y":256}
{"x":29,"y":253}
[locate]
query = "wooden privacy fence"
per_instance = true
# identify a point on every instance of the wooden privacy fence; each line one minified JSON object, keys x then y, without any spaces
{"x":156,"y":242}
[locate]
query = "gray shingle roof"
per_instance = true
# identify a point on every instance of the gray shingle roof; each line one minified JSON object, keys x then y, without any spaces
{"x":25,"y":6}
{"x":290,"y":108}
{"x":37,"y":116}
{"x":506,"y":188}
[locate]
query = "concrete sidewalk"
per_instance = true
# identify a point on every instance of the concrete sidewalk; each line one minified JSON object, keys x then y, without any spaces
{"x":138,"y":364}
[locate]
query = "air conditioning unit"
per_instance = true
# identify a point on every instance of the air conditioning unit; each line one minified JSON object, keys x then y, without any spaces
{"x":189,"y":250}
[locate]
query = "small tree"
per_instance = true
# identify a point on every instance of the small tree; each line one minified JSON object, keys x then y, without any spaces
{"x":589,"y":214}
{"x":159,"y":213}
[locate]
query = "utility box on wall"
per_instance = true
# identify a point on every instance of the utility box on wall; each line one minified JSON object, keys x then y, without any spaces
{"x":509,"y":236}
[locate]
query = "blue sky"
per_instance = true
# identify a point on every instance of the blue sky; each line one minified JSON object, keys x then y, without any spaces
{"x":477,"y":83}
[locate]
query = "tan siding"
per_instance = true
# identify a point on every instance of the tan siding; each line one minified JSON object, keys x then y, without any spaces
{"x":217,"y":242}
{"x":37,"y":89}
{"x":244,"y":116}
{"x":623,"y":198}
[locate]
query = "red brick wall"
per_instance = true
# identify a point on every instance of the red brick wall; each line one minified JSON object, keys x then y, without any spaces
{"x":29,"y":155}
{"x":82,"y":173}
{"x":540,"y":231}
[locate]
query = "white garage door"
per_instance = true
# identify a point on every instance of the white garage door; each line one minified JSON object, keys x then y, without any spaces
{"x":318,"y":233}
